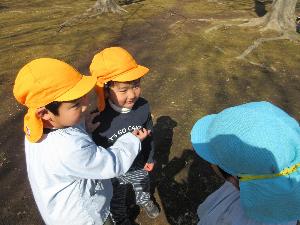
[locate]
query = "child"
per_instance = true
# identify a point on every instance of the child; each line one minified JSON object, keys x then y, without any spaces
{"x":298,"y":24}
{"x":256,"y":148}
{"x":124,"y":111}
{"x":69,"y":175}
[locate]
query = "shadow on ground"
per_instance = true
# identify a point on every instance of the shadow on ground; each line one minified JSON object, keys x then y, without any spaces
{"x":175,"y":180}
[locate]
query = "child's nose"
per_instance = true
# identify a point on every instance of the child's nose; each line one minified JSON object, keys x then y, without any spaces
{"x":131,"y":93}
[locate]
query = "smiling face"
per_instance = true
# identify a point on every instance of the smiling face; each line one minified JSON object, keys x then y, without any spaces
{"x":124,"y":94}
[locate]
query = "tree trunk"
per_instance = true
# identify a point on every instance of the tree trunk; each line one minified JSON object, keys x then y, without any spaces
{"x":102,"y":6}
{"x":282,"y":16}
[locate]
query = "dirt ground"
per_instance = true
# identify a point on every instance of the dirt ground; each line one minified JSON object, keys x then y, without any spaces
{"x":191,"y":48}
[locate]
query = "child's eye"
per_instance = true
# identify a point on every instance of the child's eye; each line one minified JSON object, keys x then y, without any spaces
{"x":76,"y":105}
{"x":136,"y":84}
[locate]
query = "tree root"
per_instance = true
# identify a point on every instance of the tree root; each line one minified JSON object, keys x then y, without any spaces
{"x":257,"y":42}
{"x":95,"y":10}
{"x":225,"y":23}
{"x":270,"y":69}
{"x":254,"y":22}
{"x":262,"y":22}
{"x":105,"y":7}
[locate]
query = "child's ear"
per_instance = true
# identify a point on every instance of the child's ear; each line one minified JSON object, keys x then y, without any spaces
{"x":43,"y":113}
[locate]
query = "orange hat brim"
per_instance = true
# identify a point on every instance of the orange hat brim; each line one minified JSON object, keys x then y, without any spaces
{"x":132,"y":74}
{"x":84,"y":86}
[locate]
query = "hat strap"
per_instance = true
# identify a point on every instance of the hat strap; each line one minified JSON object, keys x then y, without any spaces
{"x":99,"y":88}
{"x":284,"y":172}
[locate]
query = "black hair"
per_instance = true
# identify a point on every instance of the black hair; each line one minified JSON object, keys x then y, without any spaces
{"x":108,"y":85}
{"x":53,"y":107}
{"x":111,"y":83}
{"x":224,"y":174}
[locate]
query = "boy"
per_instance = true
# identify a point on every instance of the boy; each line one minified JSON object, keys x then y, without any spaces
{"x":124,"y":111}
{"x":255,"y":147}
{"x":69,"y":175}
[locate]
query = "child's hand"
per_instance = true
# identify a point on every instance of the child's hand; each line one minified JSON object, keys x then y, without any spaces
{"x":90,"y":126}
{"x":149,"y":167}
{"x":141,"y":134}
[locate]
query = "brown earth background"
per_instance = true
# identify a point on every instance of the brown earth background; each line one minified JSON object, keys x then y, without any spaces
{"x":190,"y":47}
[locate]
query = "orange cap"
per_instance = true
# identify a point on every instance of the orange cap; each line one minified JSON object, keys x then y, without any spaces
{"x":114,"y":64}
{"x":43,"y":81}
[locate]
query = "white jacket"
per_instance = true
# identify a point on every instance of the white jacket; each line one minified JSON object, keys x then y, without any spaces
{"x":70,"y":175}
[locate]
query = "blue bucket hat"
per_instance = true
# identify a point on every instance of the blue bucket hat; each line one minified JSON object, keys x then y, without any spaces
{"x":260,"y":144}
